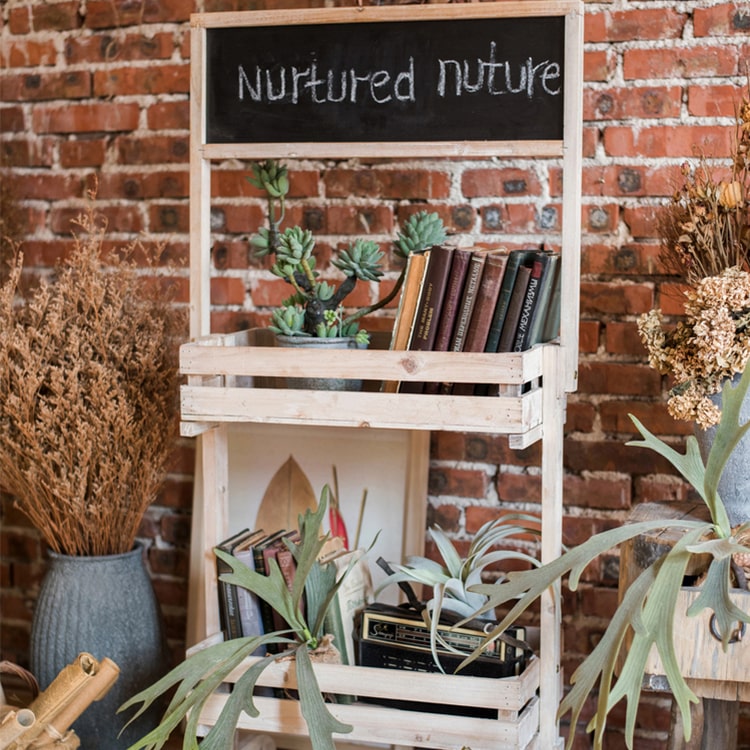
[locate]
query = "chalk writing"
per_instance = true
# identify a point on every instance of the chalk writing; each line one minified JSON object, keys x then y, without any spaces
{"x":497,"y":76}
{"x":306,"y":84}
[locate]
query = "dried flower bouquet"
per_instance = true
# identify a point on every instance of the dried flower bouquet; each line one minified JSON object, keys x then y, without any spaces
{"x":705,"y":233}
{"x":88,"y":396}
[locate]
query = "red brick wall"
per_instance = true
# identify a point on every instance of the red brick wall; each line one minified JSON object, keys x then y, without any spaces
{"x":99,"y":88}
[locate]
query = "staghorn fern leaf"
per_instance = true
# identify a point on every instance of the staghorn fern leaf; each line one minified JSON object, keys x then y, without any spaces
{"x":201,"y":674}
{"x":321,"y":724}
{"x":714,"y":594}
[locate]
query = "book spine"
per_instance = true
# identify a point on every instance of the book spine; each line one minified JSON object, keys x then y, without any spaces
{"x":514,"y":309}
{"x":481,"y":318}
{"x":228,"y":607}
{"x":527,"y":308}
{"x":431,"y":298}
{"x":452,"y":299}
{"x":251,"y":621}
{"x":468,"y":300}
{"x":515,"y":261}
{"x":549,"y":275}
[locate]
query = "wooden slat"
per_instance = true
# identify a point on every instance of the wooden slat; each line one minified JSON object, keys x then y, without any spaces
{"x":391,"y":726}
{"x":508,"y":694}
{"x":501,"y":415}
{"x":373,"y":13}
{"x":384,"y":149}
{"x":208,"y":357}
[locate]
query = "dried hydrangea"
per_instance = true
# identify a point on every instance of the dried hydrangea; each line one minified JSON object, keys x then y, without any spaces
{"x":710,"y":345}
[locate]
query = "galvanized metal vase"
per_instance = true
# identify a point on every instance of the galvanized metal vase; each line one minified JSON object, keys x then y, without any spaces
{"x":105,"y":606}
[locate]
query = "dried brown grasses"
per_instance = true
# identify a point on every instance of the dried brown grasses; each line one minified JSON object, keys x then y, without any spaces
{"x":88,"y":396}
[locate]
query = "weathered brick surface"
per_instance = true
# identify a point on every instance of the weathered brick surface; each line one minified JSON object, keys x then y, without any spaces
{"x":100,"y":90}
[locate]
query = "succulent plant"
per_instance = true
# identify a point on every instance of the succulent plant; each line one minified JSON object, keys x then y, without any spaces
{"x":316,"y":306}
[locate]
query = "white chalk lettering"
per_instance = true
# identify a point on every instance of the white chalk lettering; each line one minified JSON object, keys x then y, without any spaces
{"x":494,"y":76}
{"x":296,"y":84}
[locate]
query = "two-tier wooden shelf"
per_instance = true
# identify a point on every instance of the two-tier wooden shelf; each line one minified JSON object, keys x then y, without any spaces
{"x":240,"y":378}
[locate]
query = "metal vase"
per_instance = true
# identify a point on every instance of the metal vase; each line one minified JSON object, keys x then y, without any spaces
{"x":105,"y":606}
{"x":734,"y":484}
{"x":321,"y":384}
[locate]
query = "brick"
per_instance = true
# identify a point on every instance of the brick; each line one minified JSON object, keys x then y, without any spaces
{"x":45,"y":86}
{"x":84,"y":153}
{"x":151,"y":79}
{"x":642,"y":221}
{"x":86,"y":118}
{"x":588,"y":335}
{"x":621,"y":298}
{"x":633,"y":259}
{"x":671,"y":298}
{"x":136,"y":185}
{"x":615,"y":417}
{"x":714,"y":101}
{"x":126,"y":219}
{"x":721,"y":20}
{"x":108,"y":48}
{"x":360,"y":220}
{"x":683,"y":62}
{"x":153,"y":149}
{"x":659,"y":489}
{"x":19,"y":19}
{"x":642,"y":102}
{"x":519,"y":488}
{"x":26,"y":153}
{"x":667,"y":141}
{"x":28,"y":53}
{"x":460,"y":482}
{"x":168,"y":116}
{"x":412,"y":184}
{"x":638,"y":24}
{"x":623,"y":338}
{"x":601,"y":218}
{"x":476,"y":183}
{"x":227,"y":290}
{"x":55,"y":16}
{"x":12,"y":119}
{"x":604,"y":491}
{"x":599,"y":65}
{"x":102,"y":14}
{"x":620,"y":379}
{"x":51,"y":187}
{"x":169,"y":218}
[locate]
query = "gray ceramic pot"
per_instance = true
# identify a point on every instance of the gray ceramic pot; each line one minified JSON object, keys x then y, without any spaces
{"x":104,"y":606}
{"x":321,"y":384}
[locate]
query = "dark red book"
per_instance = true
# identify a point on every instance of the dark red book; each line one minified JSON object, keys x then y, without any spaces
{"x":484,"y":309}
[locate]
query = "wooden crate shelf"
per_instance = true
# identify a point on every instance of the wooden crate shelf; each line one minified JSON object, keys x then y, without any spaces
{"x":514,"y":698}
{"x":241,"y":378}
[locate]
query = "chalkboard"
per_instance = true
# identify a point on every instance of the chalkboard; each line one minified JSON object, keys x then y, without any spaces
{"x":473,"y":79}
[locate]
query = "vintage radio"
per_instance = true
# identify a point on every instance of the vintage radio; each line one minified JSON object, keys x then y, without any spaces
{"x":397,"y":638}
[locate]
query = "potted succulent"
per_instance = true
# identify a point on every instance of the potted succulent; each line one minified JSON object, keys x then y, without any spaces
{"x":315,"y":309}
{"x":88,"y":419}
{"x":204,"y":671}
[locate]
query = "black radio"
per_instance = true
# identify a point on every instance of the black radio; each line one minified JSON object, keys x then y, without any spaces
{"x":397,"y":638}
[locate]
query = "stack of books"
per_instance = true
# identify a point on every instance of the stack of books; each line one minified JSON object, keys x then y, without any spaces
{"x":476,"y":300}
{"x":243,"y":614}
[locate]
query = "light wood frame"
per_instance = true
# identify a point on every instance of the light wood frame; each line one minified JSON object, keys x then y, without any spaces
{"x":557,"y":363}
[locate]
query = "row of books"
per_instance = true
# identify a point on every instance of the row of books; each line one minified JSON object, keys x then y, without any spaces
{"x":243,"y":614}
{"x":476,"y":300}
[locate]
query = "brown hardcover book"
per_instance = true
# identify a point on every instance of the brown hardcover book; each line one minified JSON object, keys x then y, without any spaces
{"x":508,"y":336}
{"x":468,"y":300}
{"x":428,"y":310}
{"x":452,"y":299}
{"x":415,"y":267}
{"x":484,"y":309}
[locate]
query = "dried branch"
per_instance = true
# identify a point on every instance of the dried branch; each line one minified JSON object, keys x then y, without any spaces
{"x":88,"y":396}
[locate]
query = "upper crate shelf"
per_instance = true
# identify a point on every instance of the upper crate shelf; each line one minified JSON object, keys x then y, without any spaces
{"x":241,"y":377}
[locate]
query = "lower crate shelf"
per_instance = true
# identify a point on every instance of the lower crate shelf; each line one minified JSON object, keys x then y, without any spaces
{"x":514,"y":698}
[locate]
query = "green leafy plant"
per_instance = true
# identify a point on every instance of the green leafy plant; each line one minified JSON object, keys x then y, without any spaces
{"x":316,"y":307}
{"x":648,"y":606}
{"x":452,"y":579}
{"x":202,"y":673}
